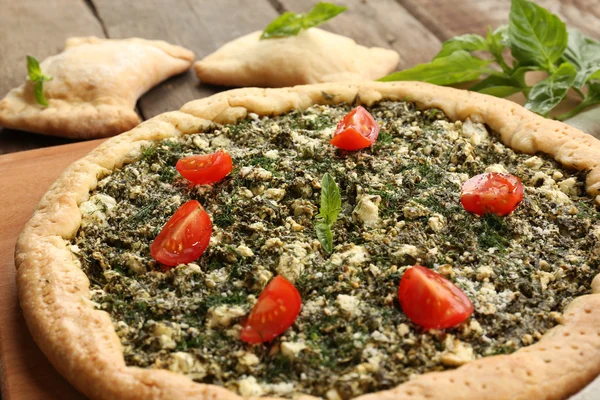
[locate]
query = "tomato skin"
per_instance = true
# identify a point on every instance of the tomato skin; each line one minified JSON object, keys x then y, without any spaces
{"x":431,"y":301}
{"x":184,"y":237}
{"x":275,"y":311}
{"x":357,"y":130}
{"x":205,"y":168}
{"x":492,"y":192}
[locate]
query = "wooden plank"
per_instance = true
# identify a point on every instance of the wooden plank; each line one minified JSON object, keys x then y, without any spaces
{"x":448,"y":19}
{"x":25,"y":372}
{"x":12,"y":141}
{"x":199,"y":25}
{"x":451,"y":18}
{"x":382,"y":23}
{"x":37,"y":28}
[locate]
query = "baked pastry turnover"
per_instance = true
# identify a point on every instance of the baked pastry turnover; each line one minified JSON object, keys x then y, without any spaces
{"x":94,"y":87}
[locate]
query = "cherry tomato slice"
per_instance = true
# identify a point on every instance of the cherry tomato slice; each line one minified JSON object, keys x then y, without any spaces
{"x":184,"y":237}
{"x":274,"y":312}
{"x":205,"y":168}
{"x":492,"y":192}
{"x":357,"y":130}
{"x":431,"y":301}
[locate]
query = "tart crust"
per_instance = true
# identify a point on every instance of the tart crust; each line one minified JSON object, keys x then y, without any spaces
{"x":81,"y":343}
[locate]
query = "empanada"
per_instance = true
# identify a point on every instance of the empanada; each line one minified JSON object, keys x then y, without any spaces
{"x":313,"y":56}
{"x":95,"y":85}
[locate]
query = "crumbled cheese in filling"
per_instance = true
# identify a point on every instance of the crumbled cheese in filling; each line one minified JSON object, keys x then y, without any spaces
{"x":457,"y":353}
{"x":474,"y":131}
{"x":248,"y":387}
{"x":222,"y":316}
{"x":349,"y":305}
{"x":291,"y":262}
{"x":292,"y":349}
{"x":400,"y":206}
{"x":352,"y":255}
{"x":367,"y":209}
{"x":496,"y":168}
{"x":95,"y":210}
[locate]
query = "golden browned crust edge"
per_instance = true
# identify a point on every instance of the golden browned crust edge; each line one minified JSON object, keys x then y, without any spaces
{"x":73,"y":112}
{"x":81,"y":341}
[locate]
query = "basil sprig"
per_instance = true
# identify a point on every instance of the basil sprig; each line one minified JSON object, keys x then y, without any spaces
{"x":460,"y":66}
{"x":538,"y":41}
{"x":331,"y":204}
{"x":37,"y":77}
{"x":290,"y":23}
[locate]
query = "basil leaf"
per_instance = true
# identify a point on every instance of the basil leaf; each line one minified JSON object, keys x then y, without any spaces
{"x":518,"y":74}
{"x":33,"y":69}
{"x":290,"y":24}
{"x":592,"y":96}
{"x":331,"y":201}
{"x":584,"y":54}
{"x":37,"y":77}
{"x":38,"y":92}
{"x":594,"y":76}
{"x":497,"y":41}
{"x":587,"y":122}
{"x":546,"y":94}
{"x":536,"y":36}
{"x":500,"y":91}
{"x":459,"y":66}
{"x":499,"y":86}
{"x":469,"y":42}
{"x":501,"y":35}
{"x":331,"y":204}
{"x":520,"y":71}
{"x":322,"y":12}
{"x":287,"y":24}
{"x":574,"y":51}
{"x":325,"y":236}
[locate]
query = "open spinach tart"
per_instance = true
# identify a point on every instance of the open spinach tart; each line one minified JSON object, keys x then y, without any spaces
{"x":117,"y":323}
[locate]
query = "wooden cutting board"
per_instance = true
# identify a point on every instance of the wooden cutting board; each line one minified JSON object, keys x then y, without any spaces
{"x":24,"y":178}
{"x":24,"y":371}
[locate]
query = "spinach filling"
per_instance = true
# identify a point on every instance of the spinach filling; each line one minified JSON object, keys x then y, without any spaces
{"x":400,"y":206}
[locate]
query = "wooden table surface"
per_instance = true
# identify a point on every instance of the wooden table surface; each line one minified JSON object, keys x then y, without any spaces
{"x":415,"y":28}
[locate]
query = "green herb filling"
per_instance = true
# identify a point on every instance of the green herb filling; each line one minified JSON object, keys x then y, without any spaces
{"x":399,"y":206}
